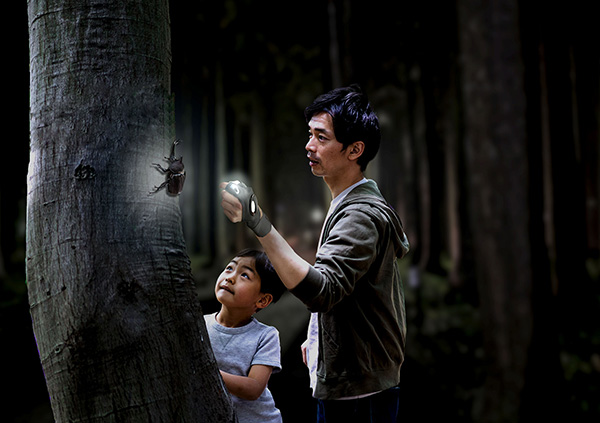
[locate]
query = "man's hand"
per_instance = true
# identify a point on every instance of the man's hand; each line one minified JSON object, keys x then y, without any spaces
{"x":231,"y":205}
{"x":240,"y":204}
{"x":303,"y":348}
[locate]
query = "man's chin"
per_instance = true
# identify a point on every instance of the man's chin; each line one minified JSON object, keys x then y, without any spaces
{"x":315,"y":171}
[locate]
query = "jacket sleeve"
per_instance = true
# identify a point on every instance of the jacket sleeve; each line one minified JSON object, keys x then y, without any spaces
{"x":343,"y":258}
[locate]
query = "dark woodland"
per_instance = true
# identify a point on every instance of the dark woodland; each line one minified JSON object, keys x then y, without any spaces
{"x":490,"y":118}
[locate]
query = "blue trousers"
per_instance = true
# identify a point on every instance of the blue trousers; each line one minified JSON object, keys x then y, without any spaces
{"x":379,"y":408}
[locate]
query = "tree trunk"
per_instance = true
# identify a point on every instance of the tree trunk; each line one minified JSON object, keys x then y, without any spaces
{"x":118,"y":325}
{"x":452,"y":190}
{"x":334,"y":46}
{"x":422,"y":250}
{"x":496,"y":152}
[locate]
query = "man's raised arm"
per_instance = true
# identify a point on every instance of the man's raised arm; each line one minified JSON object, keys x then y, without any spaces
{"x":240,"y":205}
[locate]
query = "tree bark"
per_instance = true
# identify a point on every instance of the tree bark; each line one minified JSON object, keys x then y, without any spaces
{"x":452,"y":190}
{"x":117,"y":321}
{"x":496,"y":149}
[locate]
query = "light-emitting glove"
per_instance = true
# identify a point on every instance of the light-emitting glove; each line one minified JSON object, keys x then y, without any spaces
{"x":251,"y":213}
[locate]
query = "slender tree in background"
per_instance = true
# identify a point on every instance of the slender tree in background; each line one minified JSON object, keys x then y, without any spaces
{"x":496,"y":149}
{"x":117,"y":321}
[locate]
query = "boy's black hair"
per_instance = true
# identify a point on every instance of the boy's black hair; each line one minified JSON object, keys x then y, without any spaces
{"x":270,"y":283}
{"x":353,"y":119}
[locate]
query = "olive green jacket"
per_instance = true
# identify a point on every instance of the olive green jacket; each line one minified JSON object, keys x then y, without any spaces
{"x":355,"y":286}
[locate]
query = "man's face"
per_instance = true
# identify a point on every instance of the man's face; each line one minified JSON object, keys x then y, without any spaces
{"x":325,"y":154}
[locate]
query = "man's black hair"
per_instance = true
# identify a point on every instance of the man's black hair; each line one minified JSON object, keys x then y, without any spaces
{"x":353,"y":119}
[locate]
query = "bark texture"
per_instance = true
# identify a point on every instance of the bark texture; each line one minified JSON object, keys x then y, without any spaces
{"x":496,"y":159}
{"x":117,"y":321}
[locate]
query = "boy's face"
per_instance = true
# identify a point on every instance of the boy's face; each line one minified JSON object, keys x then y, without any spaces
{"x":239,"y":286}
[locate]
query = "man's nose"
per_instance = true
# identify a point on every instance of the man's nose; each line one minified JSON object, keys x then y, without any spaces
{"x":310,"y":146}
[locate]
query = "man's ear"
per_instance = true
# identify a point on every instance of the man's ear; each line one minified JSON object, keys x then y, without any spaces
{"x":264,"y":301}
{"x":355,"y":150}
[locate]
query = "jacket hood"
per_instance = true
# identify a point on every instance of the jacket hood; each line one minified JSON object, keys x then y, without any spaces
{"x":368,"y":193}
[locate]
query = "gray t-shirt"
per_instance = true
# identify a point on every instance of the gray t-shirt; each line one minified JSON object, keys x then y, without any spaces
{"x":238,"y":349}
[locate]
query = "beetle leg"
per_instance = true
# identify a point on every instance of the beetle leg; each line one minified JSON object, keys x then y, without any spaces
{"x":159,"y":167}
{"x":158,"y":188}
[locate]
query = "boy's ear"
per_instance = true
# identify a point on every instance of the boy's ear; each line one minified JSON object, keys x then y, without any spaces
{"x":264,"y":301}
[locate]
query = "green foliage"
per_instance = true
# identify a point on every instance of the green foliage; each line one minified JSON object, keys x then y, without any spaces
{"x":580,"y":350}
{"x":445,"y":343}
{"x":445,"y":350}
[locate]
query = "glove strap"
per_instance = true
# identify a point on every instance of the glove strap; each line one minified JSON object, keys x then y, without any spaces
{"x":250,"y":209}
{"x":262,"y":228}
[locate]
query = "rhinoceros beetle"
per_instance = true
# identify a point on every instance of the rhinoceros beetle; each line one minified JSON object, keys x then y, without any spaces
{"x":175,"y":173}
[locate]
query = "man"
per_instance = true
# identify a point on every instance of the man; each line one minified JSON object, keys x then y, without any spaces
{"x":356,"y":336}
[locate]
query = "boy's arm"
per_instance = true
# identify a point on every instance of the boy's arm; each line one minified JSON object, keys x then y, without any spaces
{"x":248,"y":387}
{"x":290,"y":267}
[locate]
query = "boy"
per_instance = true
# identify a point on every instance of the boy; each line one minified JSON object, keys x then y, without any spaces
{"x":247,"y":351}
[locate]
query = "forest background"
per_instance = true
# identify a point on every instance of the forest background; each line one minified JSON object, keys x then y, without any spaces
{"x":490,"y":153}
